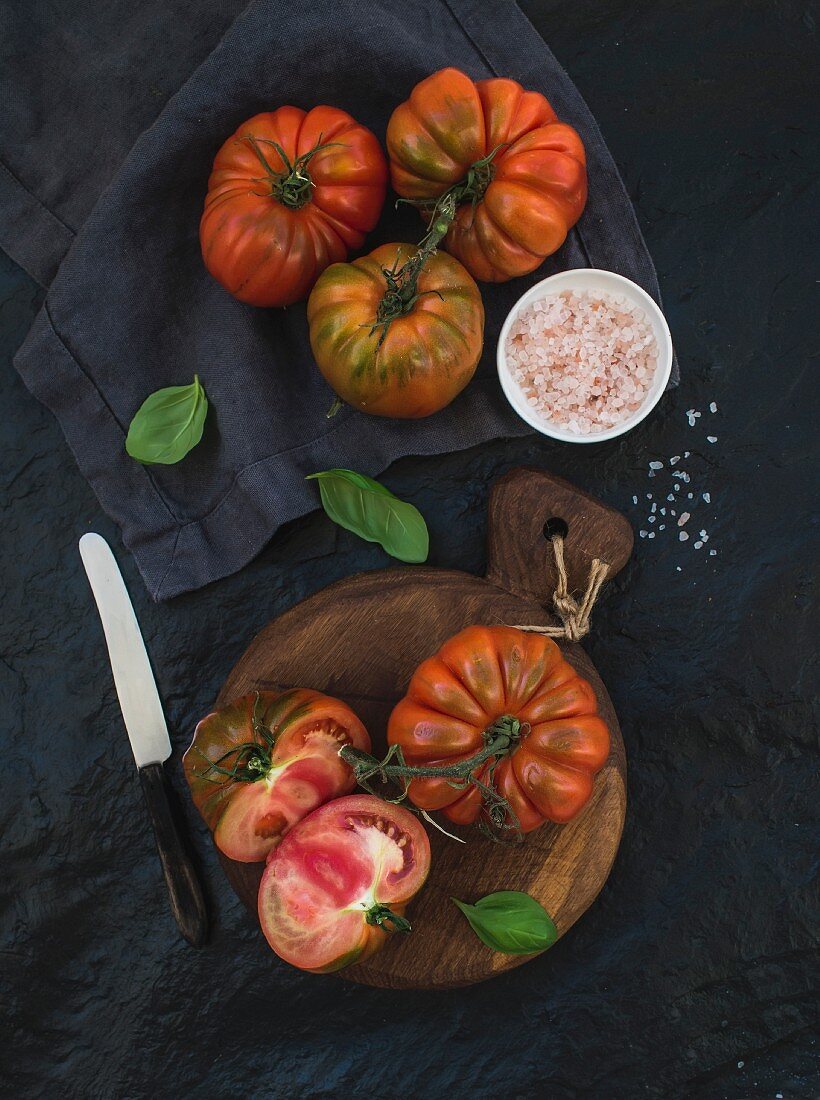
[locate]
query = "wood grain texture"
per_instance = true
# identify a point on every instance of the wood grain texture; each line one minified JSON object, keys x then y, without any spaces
{"x":361,"y":639}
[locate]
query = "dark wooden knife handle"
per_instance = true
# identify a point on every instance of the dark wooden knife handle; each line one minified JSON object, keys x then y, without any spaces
{"x":187,"y":902}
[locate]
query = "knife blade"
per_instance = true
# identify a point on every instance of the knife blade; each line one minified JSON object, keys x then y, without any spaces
{"x":147,"y":730}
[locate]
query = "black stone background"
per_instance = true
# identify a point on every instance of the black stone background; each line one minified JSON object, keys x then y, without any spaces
{"x":692,"y":975}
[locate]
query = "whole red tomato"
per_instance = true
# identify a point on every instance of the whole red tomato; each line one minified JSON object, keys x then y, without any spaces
{"x":517,"y":173}
{"x":398,"y":332}
{"x":495,"y":680}
{"x":260,"y":764}
{"x":290,"y":192}
{"x":338,"y":884}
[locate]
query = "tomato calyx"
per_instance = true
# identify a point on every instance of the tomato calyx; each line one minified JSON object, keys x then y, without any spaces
{"x":293,"y":187}
{"x":384,"y":917}
{"x":500,"y":739}
{"x":250,"y":761}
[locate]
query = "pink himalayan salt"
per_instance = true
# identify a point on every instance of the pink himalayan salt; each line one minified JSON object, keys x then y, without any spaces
{"x":583,"y":360}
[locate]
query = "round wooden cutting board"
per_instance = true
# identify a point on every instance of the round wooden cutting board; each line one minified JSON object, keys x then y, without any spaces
{"x":361,"y":639}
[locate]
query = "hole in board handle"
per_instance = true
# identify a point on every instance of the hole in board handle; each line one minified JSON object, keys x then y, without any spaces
{"x":555,"y":526}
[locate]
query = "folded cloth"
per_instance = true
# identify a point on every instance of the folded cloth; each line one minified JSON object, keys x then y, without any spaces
{"x":132,"y":308}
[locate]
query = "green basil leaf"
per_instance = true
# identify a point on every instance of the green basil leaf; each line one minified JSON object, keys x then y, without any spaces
{"x":168,"y":424}
{"x":511,"y":922}
{"x":363,"y":506}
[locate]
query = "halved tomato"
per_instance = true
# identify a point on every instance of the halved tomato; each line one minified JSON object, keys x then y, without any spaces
{"x":259,"y":765}
{"x":338,"y":884}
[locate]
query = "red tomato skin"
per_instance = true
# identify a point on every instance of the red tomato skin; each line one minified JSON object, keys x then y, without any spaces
{"x":427,"y":356}
{"x":478,"y":676}
{"x":310,"y":895}
{"x":266,"y":253}
{"x":539,"y":184}
{"x":248,"y":819}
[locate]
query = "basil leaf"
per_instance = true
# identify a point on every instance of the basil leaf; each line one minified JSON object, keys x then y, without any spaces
{"x":168,"y":424}
{"x":511,"y":922}
{"x":363,"y":506}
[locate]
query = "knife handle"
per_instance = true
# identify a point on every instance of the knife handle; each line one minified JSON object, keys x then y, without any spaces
{"x":187,"y":902}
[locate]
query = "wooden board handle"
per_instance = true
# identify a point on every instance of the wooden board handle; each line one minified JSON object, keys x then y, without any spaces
{"x":520,"y":558}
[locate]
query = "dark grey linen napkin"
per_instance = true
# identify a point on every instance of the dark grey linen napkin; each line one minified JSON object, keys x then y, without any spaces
{"x":132,"y":308}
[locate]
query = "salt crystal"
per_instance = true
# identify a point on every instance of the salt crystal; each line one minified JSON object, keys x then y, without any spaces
{"x":678,"y":568}
{"x":703,"y":534}
{"x":740,"y":1065}
{"x":642,"y":534}
{"x":648,"y":496}
{"x":684,"y":516}
{"x":712,"y":553}
{"x":712,"y":407}
{"x":651,"y":535}
{"x":634,"y":500}
{"x":651,"y":519}
{"x":674,"y":460}
{"x":683,"y":536}
{"x":662,"y":527}
{"x":698,"y":544}
{"x":583,"y":361}
{"x":671,"y":497}
{"x":690,"y":496}
{"x":707,"y":498}
{"x":655,"y":465}
{"x":654,"y":508}
{"x":663,"y":511}
{"x":686,"y":454}
{"x":711,"y":439}
{"x":676,"y":487}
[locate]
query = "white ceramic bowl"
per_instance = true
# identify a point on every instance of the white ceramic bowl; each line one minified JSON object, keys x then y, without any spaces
{"x":578,"y":279}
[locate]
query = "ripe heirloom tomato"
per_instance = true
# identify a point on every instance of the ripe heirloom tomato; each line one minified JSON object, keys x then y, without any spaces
{"x":517,"y":173}
{"x":259,"y":765}
{"x":290,"y":192}
{"x":338,"y":884}
{"x":496,"y":678}
{"x":395,"y":336}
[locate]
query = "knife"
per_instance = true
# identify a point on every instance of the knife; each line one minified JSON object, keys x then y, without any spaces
{"x":145,"y":723}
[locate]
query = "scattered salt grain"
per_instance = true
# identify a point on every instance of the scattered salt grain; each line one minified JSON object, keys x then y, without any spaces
{"x":684,"y":516}
{"x":672,"y":512}
{"x":642,"y":534}
{"x":712,"y":407}
{"x":634,"y":500}
{"x":678,"y":568}
{"x":698,"y":544}
{"x":712,"y":553}
{"x":651,"y":535}
{"x":692,"y":415}
{"x":690,"y":496}
{"x":663,"y":511}
{"x":662,"y":527}
{"x":707,"y":498}
{"x":674,"y":460}
{"x":654,"y":508}
{"x":686,"y":454}
{"x":671,"y":497}
{"x":676,"y":487}
{"x":648,"y":496}
{"x":584,"y":360}
{"x":651,"y":519}
{"x":703,"y":535}
{"x":711,"y":439}
{"x":655,"y":465}
{"x":740,"y":1065}
{"x":682,"y":536}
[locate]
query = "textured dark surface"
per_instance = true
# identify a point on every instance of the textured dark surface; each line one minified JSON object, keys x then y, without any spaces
{"x":692,"y":976}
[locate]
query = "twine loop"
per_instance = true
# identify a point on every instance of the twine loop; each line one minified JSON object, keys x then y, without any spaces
{"x":573,"y":613}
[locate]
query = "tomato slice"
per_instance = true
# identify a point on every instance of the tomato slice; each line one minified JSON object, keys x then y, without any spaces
{"x":259,"y":765}
{"x":336,"y":887}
